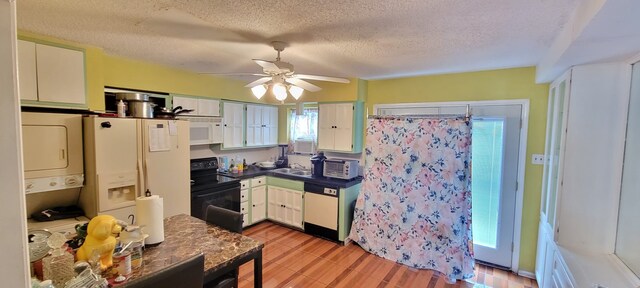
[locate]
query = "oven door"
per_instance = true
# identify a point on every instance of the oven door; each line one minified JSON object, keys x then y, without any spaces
{"x":228,"y":198}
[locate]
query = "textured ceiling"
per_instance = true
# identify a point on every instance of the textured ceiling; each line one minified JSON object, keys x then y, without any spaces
{"x":367,"y":39}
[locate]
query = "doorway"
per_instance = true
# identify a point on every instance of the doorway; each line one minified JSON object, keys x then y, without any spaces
{"x":498,"y":148}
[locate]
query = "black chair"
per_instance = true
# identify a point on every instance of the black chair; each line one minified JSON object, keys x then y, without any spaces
{"x":225,"y":218}
{"x":232,"y":221}
{"x":187,"y":274}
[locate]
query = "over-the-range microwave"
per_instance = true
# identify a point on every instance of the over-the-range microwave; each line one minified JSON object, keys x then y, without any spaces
{"x":204,"y":130}
{"x":52,"y":151}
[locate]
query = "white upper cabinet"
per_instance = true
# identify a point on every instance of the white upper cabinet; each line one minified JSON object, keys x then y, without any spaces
{"x":186,"y":103}
{"x":208,"y":107}
{"x":340,"y":127}
{"x":200,"y":107}
{"x":27,"y":70}
{"x":233,"y":125}
{"x":262,"y":125}
{"x":51,"y":75}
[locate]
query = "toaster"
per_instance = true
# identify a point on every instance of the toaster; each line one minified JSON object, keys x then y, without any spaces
{"x":340,"y":168}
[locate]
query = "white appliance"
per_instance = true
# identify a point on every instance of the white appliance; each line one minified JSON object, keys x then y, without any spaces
{"x":340,"y":168}
{"x":127,"y":157}
{"x":52,"y":151}
{"x":304,"y":146}
{"x":321,"y":210}
{"x":204,"y":130}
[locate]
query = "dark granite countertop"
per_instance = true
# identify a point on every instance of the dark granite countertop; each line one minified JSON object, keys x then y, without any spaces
{"x":186,"y":236}
{"x":254,"y":171}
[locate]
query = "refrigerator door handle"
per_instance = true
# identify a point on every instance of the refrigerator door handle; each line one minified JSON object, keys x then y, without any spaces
{"x":140,"y":178}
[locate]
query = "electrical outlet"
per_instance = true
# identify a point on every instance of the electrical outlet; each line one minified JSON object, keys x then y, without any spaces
{"x":537,"y":159}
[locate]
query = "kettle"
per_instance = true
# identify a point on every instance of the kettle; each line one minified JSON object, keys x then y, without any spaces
{"x":317,"y":164}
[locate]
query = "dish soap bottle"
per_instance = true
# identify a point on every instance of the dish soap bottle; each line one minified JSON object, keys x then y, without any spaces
{"x":121,"y":109}
{"x":59,"y":266}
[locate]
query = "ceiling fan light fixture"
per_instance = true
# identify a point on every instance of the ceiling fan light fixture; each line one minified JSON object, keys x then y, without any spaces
{"x":279,"y":91}
{"x":259,"y":91}
{"x":295,"y":91}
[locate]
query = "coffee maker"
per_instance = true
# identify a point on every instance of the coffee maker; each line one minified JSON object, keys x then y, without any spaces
{"x":317,"y":164}
{"x":282,"y":161}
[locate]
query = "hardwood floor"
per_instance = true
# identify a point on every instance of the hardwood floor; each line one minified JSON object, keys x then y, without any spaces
{"x":294,"y":259}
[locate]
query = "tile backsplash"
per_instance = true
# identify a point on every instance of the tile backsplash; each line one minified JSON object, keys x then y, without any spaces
{"x":251,"y":155}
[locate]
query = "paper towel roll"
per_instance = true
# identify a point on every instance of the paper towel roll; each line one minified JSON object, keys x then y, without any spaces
{"x":149,"y":211}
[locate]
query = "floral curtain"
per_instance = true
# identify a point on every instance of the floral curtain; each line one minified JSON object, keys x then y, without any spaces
{"x":415,"y":204}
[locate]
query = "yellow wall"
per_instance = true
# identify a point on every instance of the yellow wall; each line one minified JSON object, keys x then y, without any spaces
{"x":127,"y":73}
{"x":516,"y":83}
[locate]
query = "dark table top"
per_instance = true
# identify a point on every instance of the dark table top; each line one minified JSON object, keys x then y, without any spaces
{"x":254,"y":171}
{"x":186,"y":236}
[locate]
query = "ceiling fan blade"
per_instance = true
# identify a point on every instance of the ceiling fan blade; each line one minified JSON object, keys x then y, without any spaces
{"x":303,"y":84}
{"x":259,"y":82}
{"x":321,"y":78}
{"x":267,"y":65}
{"x":234,"y":74}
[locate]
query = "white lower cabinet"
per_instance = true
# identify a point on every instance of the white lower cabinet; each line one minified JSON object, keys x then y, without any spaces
{"x":258,"y":204}
{"x":285,"y":206}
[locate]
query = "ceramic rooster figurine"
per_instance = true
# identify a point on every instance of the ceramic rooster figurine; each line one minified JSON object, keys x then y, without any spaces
{"x":100,"y":238}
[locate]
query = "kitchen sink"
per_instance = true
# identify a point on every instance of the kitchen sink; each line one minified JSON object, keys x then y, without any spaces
{"x":292,"y":171}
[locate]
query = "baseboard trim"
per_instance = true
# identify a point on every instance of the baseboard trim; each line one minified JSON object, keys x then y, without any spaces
{"x":527,"y":274}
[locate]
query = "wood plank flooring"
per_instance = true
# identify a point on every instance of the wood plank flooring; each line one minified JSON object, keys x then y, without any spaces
{"x":294,"y":259}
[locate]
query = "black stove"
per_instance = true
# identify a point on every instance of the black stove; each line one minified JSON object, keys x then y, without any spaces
{"x":209,"y":188}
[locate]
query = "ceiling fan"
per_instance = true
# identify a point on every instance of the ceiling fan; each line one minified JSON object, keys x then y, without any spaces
{"x":281,"y":77}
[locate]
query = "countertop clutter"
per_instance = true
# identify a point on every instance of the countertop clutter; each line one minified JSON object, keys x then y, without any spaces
{"x":186,"y":237}
{"x":254,"y":171}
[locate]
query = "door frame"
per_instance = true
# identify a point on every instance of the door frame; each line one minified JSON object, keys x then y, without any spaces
{"x":522,"y":156}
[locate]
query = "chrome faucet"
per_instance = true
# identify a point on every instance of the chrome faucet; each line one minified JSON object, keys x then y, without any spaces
{"x":298,"y":166}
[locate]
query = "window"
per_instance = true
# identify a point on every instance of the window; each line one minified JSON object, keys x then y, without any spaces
{"x":303,"y":126}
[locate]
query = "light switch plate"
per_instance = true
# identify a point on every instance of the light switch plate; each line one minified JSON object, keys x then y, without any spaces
{"x":537,"y":159}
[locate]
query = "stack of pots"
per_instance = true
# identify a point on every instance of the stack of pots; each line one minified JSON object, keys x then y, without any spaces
{"x":138,"y":104}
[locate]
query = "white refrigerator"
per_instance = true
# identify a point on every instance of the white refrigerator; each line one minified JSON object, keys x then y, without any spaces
{"x":125,"y":157}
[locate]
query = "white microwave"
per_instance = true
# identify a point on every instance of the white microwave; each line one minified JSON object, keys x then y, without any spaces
{"x":204,"y":130}
{"x":52,"y":151}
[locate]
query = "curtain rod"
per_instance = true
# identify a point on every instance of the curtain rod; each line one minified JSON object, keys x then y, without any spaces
{"x":466,"y":116}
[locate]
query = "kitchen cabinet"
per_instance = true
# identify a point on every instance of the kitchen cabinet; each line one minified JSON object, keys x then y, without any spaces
{"x":233,"y":128}
{"x":285,"y":206}
{"x":262,"y":125}
{"x":244,"y":202}
{"x":200,"y":106}
{"x":340,"y":127}
{"x":581,"y":184}
{"x":258,"y":199}
{"x":51,"y":76}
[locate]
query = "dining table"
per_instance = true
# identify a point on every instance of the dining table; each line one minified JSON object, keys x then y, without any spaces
{"x":186,"y":236}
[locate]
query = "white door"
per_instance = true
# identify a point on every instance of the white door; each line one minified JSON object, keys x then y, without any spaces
{"x":495,"y":152}
{"x":270,"y":125}
{"x":27,"y":70}
{"x":233,"y":125}
{"x":254,"y":125}
{"x":165,"y":161}
{"x":186,"y":103}
{"x":274,"y":206}
{"x":326,"y":122}
{"x":258,"y":203}
{"x":60,"y":74}
{"x":343,"y":135}
{"x":208,"y":107}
